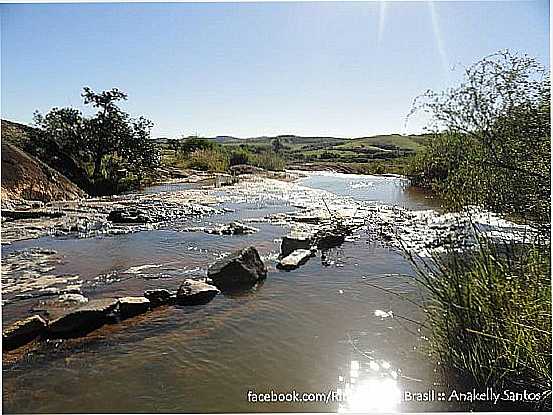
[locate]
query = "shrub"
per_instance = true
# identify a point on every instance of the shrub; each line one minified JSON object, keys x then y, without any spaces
{"x":240,"y":156}
{"x":492,"y":144}
{"x":191,"y":144}
{"x":208,"y":160}
{"x":269,"y":160}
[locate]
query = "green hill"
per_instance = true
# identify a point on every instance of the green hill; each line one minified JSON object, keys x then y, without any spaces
{"x":384,"y":142}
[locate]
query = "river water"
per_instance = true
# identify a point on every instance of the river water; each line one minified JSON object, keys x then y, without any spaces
{"x":316,"y":329}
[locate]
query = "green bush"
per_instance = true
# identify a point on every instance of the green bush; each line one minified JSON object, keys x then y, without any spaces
{"x":492,"y":144}
{"x":208,"y":160}
{"x":269,"y":160}
{"x":240,"y":156}
{"x":191,"y":144}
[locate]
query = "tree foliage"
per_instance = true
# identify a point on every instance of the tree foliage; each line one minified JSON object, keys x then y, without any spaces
{"x":108,"y":141}
{"x":491,"y":144}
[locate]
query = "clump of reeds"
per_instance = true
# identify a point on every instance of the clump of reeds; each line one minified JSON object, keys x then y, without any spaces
{"x":489,"y":313}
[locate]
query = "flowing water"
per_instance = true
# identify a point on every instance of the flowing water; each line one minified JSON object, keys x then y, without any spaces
{"x":317,"y":329}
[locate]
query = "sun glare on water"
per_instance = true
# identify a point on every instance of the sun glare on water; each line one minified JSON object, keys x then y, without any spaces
{"x":371,"y":388}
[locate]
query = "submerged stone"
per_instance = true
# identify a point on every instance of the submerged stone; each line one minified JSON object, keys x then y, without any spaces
{"x":243,"y":268}
{"x":23,"y":331}
{"x":84,"y":319}
{"x":193,"y":292}
{"x":295,"y":259}
{"x":159,"y":296}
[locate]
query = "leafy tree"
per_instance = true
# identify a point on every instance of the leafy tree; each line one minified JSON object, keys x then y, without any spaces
{"x":492,"y":139}
{"x":109,"y":134}
{"x":191,"y":144}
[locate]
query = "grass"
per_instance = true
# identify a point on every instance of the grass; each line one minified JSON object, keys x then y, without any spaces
{"x":490,"y":316}
{"x":367,"y":155}
{"x":383,"y":142}
{"x":208,"y":160}
{"x":269,"y":160}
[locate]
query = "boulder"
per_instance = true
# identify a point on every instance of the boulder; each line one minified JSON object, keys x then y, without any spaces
{"x":83,"y":319}
{"x":133,"y":306}
{"x":128,"y":216}
{"x":159,"y":296}
{"x":243,"y":268}
{"x":295,"y":259}
{"x":193,"y":292}
{"x":290,"y":243}
{"x":23,"y":331}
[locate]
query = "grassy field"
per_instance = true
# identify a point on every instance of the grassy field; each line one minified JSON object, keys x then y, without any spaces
{"x":376,"y":154}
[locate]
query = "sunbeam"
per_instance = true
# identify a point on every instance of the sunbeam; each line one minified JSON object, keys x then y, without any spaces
{"x":438,"y":36}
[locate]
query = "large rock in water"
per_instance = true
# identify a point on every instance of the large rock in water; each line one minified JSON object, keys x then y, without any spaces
{"x":84,"y":319}
{"x":290,"y":243}
{"x":133,"y":306}
{"x":193,"y":292}
{"x":241,"y":269}
{"x":22,"y":332}
{"x":295,"y":259}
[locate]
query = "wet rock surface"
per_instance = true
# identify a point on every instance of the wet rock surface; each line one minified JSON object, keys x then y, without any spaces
{"x":316,"y":218}
{"x":72,"y":298}
{"x":83,"y":319}
{"x":132,"y":306}
{"x":295,"y":259}
{"x":128,"y":216}
{"x":241,"y":269}
{"x":31,"y":214}
{"x":30,"y":273}
{"x":110,"y":215}
{"x":292,"y":242}
{"x":23,"y":331}
{"x":194,"y":292}
{"x":233,"y":228}
{"x":159,"y":296}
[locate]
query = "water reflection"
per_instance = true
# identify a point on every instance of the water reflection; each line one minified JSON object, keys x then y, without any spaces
{"x":370,"y":386}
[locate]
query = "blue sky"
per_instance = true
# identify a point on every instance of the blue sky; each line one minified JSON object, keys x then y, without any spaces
{"x":250,"y":69}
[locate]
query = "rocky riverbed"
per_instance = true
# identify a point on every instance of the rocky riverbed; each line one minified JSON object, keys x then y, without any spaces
{"x":131,"y":253}
{"x":28,"y":273}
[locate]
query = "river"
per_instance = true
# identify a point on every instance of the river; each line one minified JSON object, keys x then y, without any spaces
{"x":316,"y":329}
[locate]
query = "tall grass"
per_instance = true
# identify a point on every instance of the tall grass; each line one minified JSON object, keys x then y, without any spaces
{"x":269,"y":160}
{"x":490,"y":315}
{"x":208,"y":160}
